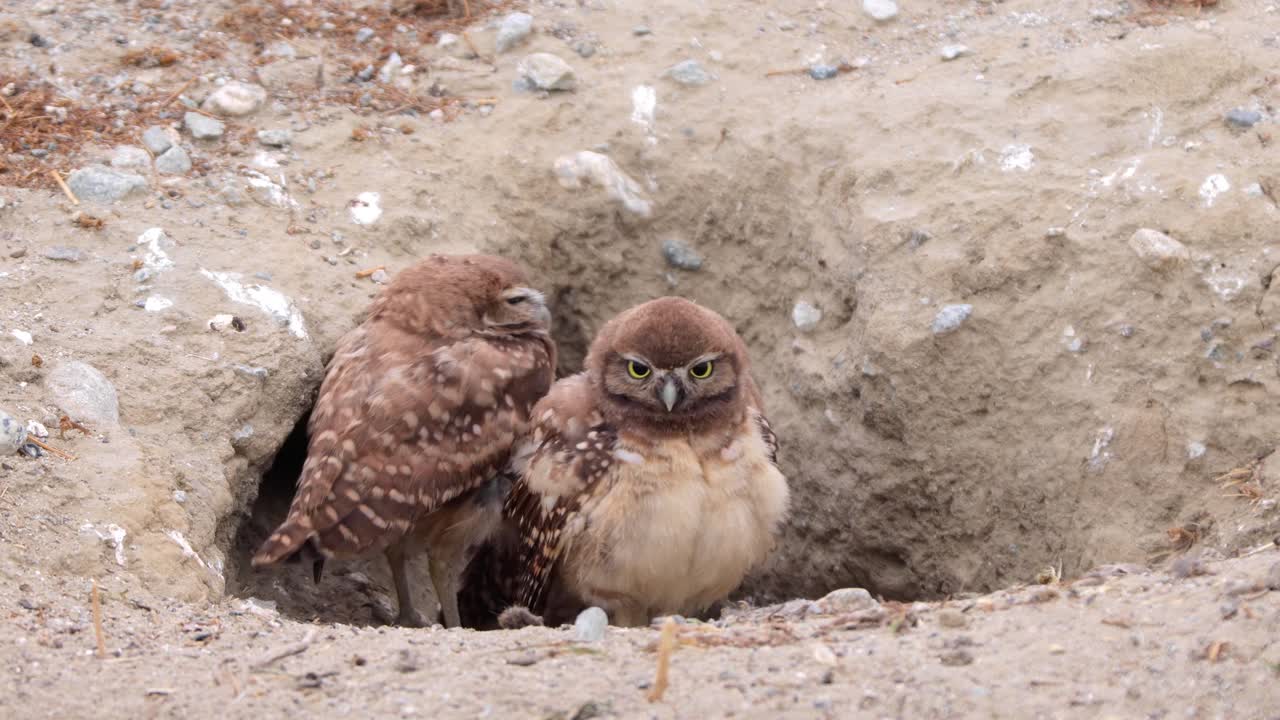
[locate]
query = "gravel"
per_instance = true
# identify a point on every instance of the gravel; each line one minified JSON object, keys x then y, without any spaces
{"x":545,"y":71}
{"x":100,"y":184}
{"x":1157,"y":250}
{"x":174,"y":161}
{"x":514,"y":30}
{"x":84,"y":393}
{"x":689,"y":72}
{"x":590,"y":625}
{"x":203,"y":127}
{"x":950,"y":318}
{"x":680,"y":255}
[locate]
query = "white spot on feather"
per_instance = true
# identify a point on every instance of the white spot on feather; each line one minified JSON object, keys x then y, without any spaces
{"x":629,"y":457}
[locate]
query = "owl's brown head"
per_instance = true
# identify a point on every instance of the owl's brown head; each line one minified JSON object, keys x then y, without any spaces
{"x":672,"y":365}
{"x":452,"y":295}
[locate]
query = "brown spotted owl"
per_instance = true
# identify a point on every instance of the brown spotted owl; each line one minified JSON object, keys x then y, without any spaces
{"x":418,"y":412}
{"x":648,"y":483}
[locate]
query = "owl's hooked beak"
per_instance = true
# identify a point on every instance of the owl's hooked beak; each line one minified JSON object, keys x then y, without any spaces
{"x":670,"y":392}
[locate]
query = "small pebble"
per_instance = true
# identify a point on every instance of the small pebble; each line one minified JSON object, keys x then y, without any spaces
{"x":805,"y":316}
{"x":951,"y":618}
{"x":13,"y":434}
{"x":1273,"y":577}
{"x":951,"y":52}
{"x":235,"y":99}
{"x":159,"y":138}
{"x":203,"y":127}
{"x":275,"y":138}
{"x":823,"y":72}
{"x":64,"y":253}
{"x":847,"y":600}
{"x":130,"y":156}
{"x":513,"y":31}
{"x":880,"y":10}
{"x":1242,"y":118}
{"x":689,"y":72}
{"x":590,"y":625}
{"x":545,"y":71}
{"x":641,"y":30}
{"x":174,"y":161}
{"x":1157,"y":250}
{"x":100,"y":184}
{"x":680,"y":255}
{"x":380,"y":277}
{"x":364,"y":35}
{"x":950,"y":318}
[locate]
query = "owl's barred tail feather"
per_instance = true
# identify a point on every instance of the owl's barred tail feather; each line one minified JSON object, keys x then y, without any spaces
{"x":289,"y":539}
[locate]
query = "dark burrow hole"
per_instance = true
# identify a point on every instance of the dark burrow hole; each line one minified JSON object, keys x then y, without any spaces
{"x":358,"y":592}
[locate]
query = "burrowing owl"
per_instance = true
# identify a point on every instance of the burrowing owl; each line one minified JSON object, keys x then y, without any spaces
{"x":418,"y":412}
{"x":648,"y":483}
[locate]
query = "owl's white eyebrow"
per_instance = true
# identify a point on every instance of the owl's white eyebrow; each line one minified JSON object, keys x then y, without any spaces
{"x":524,"y":292}
{"x":706,"y":358}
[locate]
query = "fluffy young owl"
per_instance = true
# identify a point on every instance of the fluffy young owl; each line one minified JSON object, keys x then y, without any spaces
{"x":418,"y":412}
{"x":648,"y":483}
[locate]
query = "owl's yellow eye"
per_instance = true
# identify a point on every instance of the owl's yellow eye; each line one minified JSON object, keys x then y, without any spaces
{"x":638,"y":370}
{"x":702,"y":370}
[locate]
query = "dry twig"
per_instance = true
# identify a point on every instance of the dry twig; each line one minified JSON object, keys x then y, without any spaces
{"x":362,"y":274}
{"x":97,"y":621}
{"x":57,"y":177}
{"x":49,"y":448}
{"x":666,"y":646}
{"x":284,"y":652}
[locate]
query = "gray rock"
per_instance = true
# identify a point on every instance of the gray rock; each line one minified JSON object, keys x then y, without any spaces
{"x":64,"y":253}
{"x":951,"y":52}
{"x":13,"y":433}
{"x":275,"y":138}
{"x":84,"y":393}
{"x":847,"y":600}
{"x":159,"y":138}
{"x":950,"y":318}
{"x":823,"y":71}
{"x":240,"y":439}
{"x":174,"y":161}
{"x":130,"y":156}
{"x":364,"y":35}
{"x":1157,"y":250}
{"x":105,"y":185}
{"x":1242,"y":118}
{"x":203,"y":127}
{"x":806,"y":316}
{"x":590,"y":625}
{"x":584,"y":48}
{"x":689,"y":72}
{"x":545,"y":71}
{"x":680,"y":255}
{"x":1272,"y":580}
{"x":514,"y":30}
{"x":235,"y":99}
{"x":641,"y":30}
{"x":880,"y":10}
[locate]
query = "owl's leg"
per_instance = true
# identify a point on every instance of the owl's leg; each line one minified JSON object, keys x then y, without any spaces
{"x":629,"y":614}
{"x":408,"y":617}
{"x":444,"y":576}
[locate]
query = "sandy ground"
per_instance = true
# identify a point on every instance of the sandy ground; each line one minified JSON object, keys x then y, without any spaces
{"x":1095,"y":405}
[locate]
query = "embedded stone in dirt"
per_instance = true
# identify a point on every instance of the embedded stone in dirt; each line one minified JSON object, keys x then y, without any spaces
{"x":1157,"y":250}
{"x":101,"y":184}
{"x":84,"y":393}
{"x":236,"y":99}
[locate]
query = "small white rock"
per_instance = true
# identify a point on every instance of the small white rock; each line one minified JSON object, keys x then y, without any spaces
{"x":156,"y":303}
{"x":846,"y":600}
{"x":880,"y":10}
{"x":1157,"y":250}
{"x":22,"y":336}
{"x":219,"y":323}
{"x":545,"y":71}
{"x":236,"y":99}
{"x":590,"y":625}
{"x":951,"y":52}
{"x":366,"y":208}
{"x":1195,"y":450}
{"x":515,"y":29}
{"x":805,"y":316}
{"x":950,"y":318}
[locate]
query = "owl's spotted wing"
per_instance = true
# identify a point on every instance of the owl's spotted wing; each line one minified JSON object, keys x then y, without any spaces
{"x":566,"y":460}
{"x":401,"y":427}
